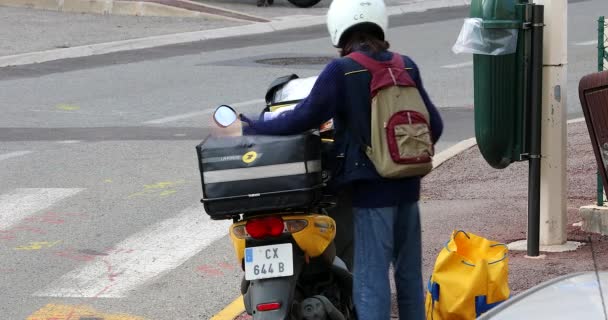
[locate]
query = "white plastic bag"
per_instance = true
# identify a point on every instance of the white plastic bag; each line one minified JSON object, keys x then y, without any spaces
{"x":296,"y":89}
{"x":475,"y":39}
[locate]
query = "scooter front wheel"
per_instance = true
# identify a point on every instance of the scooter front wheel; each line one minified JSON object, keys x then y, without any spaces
{"x":304,"y":3}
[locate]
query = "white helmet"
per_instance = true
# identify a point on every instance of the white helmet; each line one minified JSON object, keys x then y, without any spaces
{"x":344,"y":14}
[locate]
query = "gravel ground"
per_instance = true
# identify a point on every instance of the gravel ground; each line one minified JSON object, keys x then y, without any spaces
{"x":467,"y":193}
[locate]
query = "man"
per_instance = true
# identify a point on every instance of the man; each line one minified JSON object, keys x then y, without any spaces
{"x":385,"y":211}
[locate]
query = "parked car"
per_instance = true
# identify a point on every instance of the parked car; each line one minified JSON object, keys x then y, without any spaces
{"x":574,"y":296}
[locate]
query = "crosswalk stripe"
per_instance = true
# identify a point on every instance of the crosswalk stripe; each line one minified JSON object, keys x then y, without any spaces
{"x":21,"y":203}
{"x":144,"y":256}
{"x":203,"y":112}
{"x":13,"y":154}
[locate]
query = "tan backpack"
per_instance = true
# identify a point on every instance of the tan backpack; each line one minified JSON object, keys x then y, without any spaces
{"x":401,"y":144}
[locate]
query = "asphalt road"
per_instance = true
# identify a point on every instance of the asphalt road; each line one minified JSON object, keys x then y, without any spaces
{"x":99,"y":200}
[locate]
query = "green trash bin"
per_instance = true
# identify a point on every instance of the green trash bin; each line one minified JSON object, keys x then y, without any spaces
{"x":499,"y":78}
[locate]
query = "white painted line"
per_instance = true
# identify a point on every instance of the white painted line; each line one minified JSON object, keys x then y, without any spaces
{"x":458,"y":65}
{"x":21,"y":203}
{"x":247,"y":103}
{"x":13,"y":154}
{"x":453,"y":151}
{"x":586,"y":43}
{"x":68,"y":141}
{"x":180,"y":117}
{"x":202,"y":112}
{"x":142,"y":257}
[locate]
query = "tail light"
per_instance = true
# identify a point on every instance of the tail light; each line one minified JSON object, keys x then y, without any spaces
{"x":269,"y":306}
{"x":268,"y":227}
{"x":265,"y":227}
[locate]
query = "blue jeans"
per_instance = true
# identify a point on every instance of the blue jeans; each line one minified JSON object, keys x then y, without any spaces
{"x":382,"y":236}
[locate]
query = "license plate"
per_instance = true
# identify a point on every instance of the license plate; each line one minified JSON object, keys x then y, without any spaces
{"x":269,"y":261}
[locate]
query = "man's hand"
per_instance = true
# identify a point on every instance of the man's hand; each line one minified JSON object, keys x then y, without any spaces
{"x":233,"y":130}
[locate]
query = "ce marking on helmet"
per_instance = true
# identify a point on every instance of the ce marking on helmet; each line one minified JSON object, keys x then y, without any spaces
{"x":359,"y":17}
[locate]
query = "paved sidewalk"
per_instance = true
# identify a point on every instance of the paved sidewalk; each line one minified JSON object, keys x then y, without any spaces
{"x":466,"y":193}
{"x":27,"y":30}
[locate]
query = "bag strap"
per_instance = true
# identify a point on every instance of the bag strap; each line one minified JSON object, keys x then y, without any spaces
{"x":373,"y":66}
{"x":384,"y":73}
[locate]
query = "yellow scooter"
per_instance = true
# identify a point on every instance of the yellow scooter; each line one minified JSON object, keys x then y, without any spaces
{"x":289,"y":257}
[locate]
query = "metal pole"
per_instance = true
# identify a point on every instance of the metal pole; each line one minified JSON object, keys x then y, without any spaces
{"x":536,"y":79}
{"x":600,"y":67}
{"x":601,"y":49}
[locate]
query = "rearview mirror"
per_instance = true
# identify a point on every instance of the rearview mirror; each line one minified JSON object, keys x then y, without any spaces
{"x":224,"y":116}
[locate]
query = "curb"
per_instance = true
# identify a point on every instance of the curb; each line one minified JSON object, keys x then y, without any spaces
{"x":156,"y":8}
{"x":156,"y":41}
{"x":464,"y":145}
{"x":208,"y":9}
{"x":453,"y":151}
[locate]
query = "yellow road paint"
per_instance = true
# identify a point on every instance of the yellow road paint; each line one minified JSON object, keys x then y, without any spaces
{"x":233,"y":310}
{"x":167,"y":193}
{"x":67,"y":107}
{"x":160,"y":189}
{"x":108,"y":181}
{"x":37,"y":245}
{"x":66,"y":312}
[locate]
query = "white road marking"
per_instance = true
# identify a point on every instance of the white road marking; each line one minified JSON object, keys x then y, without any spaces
{"x":586,"y":43}
{"x":458,"y":65}
{"x":202,"y":112}
{"x":21,"y":203}
{"x":13,"y":154}
{"x":144,"y":256}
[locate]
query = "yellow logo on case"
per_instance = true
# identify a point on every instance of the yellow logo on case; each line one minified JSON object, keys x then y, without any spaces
{"x":250,"y":156}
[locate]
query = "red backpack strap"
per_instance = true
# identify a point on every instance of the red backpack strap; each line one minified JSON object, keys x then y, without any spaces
{"x":384,"y":73}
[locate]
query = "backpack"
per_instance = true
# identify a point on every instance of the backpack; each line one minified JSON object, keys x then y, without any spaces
{"x":401,"y":144}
